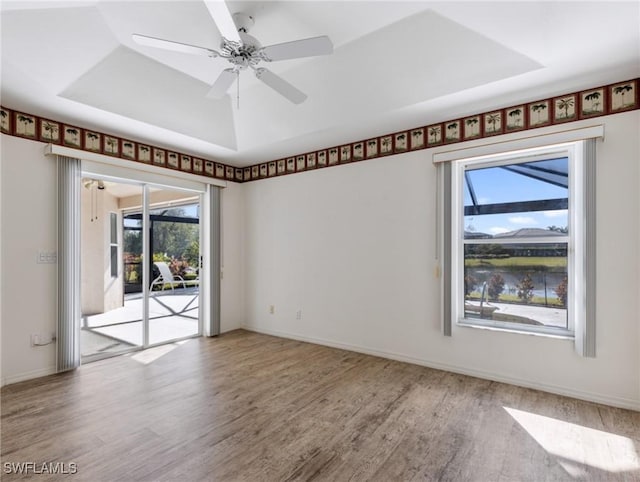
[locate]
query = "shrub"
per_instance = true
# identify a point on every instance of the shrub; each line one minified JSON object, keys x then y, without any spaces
{"x":496,"y":286}
{"x":469,"y":284}
{"x":178,"y":266}
{"x":525,"y":289}
{"x":561,"y":291}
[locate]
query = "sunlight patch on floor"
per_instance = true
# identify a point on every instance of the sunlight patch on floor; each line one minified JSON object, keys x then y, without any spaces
{"x":576,"y":445}
{"x":152,"y":354}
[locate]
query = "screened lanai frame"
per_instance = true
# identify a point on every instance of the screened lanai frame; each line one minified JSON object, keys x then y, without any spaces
{"x":539,"y":168}
{"x":137,"y":214}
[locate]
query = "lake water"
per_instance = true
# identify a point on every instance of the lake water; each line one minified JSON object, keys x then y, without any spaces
{"x":511,"y":279}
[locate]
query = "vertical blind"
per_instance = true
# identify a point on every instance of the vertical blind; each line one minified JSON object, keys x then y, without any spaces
{"x":212,"y":314}
{"x":445,"y":175}
{"x":586,"y":346}
{"x":68,"y":329}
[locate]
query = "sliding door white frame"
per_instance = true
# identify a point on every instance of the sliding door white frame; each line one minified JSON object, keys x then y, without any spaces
{"x":202,"y":194}
{"x":146,"y":265}
{"x":96,"y":165}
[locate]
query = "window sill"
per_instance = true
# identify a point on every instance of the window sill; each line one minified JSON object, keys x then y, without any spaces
{"x":492,"y":326}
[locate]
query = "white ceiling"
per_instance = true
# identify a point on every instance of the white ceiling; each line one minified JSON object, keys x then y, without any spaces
{"x":396,"y":65}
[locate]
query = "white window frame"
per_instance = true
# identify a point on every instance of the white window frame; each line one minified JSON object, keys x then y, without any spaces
{"x":586,"y":138}
{"x":585,"y":141}
{"x":574,"y":239}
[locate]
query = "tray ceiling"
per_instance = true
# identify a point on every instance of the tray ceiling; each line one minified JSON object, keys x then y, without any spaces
{"x":395,"y":65}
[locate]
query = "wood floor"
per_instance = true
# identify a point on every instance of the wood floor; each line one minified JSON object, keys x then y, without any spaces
{"x":246,"y":406}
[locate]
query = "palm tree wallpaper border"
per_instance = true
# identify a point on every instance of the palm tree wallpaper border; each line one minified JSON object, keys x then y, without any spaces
{"x":25,"y":125}
{"x":417,"y":138}
{"x":5,"y":121}
{"x":624,"y":96}
{"x":539,"y":115}
{"x":472,"y":127}
{"x":92,"y":141}
{"x":589,"y":103}
{"x":593,"y":102}
{"x":565,"y":108}
{"x":515,"y":118}
{"x":49,"y":130}
{"x":493,"y":123}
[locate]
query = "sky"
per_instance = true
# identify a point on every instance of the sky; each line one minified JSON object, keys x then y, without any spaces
{"x":497,"y":185}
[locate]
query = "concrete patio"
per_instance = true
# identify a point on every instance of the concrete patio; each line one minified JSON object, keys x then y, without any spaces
{"x":173,"y":314}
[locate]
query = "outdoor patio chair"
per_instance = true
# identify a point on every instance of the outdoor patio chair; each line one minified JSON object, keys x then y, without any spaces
{"x":166,"y":277}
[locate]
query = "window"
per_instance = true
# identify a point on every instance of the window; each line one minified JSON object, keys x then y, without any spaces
{"x":518,"y":242}
{"x":515,"y":241}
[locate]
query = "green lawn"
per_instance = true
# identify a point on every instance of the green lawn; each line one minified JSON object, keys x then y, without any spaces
{"x":552,"y":299}
{"x":516,"y":262}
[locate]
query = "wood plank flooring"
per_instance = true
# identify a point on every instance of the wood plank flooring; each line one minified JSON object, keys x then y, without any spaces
{"x":246,"y":406}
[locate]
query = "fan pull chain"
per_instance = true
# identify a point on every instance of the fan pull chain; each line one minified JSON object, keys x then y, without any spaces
{"x":92,"y":193}
{"x":238,"y":89}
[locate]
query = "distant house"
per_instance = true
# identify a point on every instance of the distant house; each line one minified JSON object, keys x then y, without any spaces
{"x":528,"y":233}
{"x":475,"y":235}
{"x":550,"y":249}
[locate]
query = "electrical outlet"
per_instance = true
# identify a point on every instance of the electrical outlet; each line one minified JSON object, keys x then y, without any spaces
{"x":272,"y":309}
{"x":42,"y":339}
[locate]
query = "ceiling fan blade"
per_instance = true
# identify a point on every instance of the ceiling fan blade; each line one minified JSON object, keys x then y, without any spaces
{"x":222,"y":84}
{"x":224,"y":21}
{"x":281,"y":86}
{"x":308,"y":47}
{"x":171,"y":45}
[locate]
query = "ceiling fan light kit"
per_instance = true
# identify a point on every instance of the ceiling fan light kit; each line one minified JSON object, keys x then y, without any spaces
{"x":244,"y":51}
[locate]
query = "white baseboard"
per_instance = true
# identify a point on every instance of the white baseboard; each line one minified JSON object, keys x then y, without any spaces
{"x":619,"y":402}
{"x":21,"y":377}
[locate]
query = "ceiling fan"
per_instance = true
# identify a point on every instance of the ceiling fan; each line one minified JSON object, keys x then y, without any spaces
{"x":243,"y":51}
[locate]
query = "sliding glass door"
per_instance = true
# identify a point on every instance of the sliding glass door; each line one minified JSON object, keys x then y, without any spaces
{"x":141,"y":266}
{"x":174,"y":243}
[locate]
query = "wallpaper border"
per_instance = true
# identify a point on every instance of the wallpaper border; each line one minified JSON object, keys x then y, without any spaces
{"x":29,"y":126}
{"x":589,"y":103}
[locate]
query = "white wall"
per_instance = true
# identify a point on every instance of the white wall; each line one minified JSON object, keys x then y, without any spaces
{"x":1,"y":264}
{"x":100,"y":291}
{"x":232,"y":263}
{"x":353,"y":248}
{"x":29,"y":221}
{"x":29,"y":224}
{"x":91,"y":266}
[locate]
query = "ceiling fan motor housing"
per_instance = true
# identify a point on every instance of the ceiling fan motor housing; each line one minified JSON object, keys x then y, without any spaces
{"x":242,"y":55}
{"x":245,"y":54}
